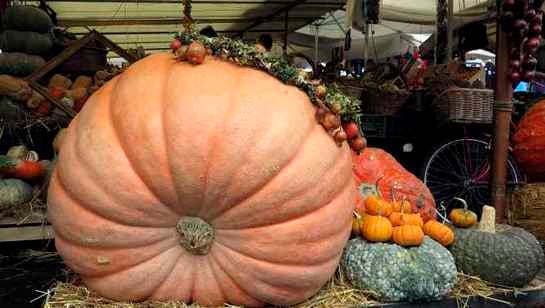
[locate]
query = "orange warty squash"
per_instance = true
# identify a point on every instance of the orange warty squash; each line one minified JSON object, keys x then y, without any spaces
{"x":204,"y":183}
{"x":529,"y":142}
{"x":395,"y":182}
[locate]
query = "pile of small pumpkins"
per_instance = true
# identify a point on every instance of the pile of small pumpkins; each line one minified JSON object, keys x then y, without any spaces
{"x":383,"y":221}
{"x":22,"y":173}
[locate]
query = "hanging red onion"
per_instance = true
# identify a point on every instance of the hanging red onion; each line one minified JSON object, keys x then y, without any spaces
{"x":508,"y":5}
{"x":514,"y":64}
{"x":529,"y":75}
{"x":514,"y":76}
{"x":529,"y":62}
{"x":520,"y":24}
{"x":532,"y":43}
{"x":530,"y":14}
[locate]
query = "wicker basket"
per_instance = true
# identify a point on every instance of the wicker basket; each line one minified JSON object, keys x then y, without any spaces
{"x":377,"y":102}
{"x":464,"y":105}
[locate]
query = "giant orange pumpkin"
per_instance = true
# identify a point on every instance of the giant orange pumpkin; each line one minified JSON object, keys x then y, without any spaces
{"x":210,"y":183}
{"x":529,"y":142}
{"x":376,"y":167}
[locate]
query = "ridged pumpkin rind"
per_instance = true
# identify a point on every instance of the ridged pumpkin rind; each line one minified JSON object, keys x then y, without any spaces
{"x":510,"y":257}
{"x":231,"y":145}
{"x":395,"y":273}
{"x":529,"y":142}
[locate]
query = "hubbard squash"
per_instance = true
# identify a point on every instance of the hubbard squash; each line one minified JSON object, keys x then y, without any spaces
{"x":204,"y":183}
{"x":14,"y":192}
{"x":500,"y":254}
{"x":375,"y":165}
{"x":395,"y":273}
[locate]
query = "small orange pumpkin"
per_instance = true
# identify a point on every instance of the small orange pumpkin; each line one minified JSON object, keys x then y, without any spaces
{"x":398,"y":219}
{"x":439,"y":232}
{"x":408,"y":235}
{"x":375,"y":205}
{"x":402,"y":206}
{"x":377,"y":229}
{"x":463,"y":218}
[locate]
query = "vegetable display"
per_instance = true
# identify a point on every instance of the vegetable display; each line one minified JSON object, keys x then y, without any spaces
{"x":209,"y":183}
{"x":374,"y":166}
{"x":395,"y":273}
{"x":500,"y":254}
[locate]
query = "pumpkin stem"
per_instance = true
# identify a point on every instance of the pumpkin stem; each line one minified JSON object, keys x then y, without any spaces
{"x":196,"y":235}
{"x":463,"y":202}
{"x":488,"y":220}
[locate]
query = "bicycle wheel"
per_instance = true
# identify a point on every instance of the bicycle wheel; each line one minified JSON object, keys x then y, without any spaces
{"x":461,"y":168}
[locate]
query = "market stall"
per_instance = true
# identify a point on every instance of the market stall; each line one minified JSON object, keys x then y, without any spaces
{"x":220,"y":174}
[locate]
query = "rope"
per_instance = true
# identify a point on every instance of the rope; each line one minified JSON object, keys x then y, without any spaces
{"x":506,"y":106}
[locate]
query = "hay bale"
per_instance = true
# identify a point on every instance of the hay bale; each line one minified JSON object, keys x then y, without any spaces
{"x":528,"y":209}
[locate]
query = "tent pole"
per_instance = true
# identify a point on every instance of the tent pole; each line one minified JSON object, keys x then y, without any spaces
{"x":366,"y":47}
{"x":503,"y":107}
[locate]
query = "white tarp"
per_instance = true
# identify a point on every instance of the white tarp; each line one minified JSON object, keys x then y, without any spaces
{"x":403,"y":24}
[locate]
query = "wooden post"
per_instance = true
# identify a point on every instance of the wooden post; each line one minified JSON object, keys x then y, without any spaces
{"x":450,"y":30}
{"x":503,"y":107}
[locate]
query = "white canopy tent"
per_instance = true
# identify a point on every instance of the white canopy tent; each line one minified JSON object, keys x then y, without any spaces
{"x":403,"y":24}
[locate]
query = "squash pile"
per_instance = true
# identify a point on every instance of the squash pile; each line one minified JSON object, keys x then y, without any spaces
{"x":21,"y":174}
{"x":382,"y":221}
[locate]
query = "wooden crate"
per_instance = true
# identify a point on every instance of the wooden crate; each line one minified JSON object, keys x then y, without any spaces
{"x":527,"y":209}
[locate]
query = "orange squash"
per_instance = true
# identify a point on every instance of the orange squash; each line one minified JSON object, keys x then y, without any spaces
{"x":374,"y":164}
{"x":439,"y":232}
{"x":408,"y":235}
{"x":374,"y":205}
{"x":376,"y":229}
{"x":402,"y":206}
{"x":529,"y":142}
{"x":207,"y":183}
{"x":398,"y":219}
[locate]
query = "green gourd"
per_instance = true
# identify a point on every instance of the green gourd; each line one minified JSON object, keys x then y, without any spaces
{"x":19,"y":64}
{"x":500,"y":254}
{"x":27,"y":18}
{"x":14,"y":192}
{"x":417,"y":274}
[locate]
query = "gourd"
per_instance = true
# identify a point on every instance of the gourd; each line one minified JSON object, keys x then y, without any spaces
{"x":376,"y":228}
{"x":439,"y":232}
{"x":14,"y":192}
{"x":529,"y":142}
{"x":186,"y":182}
{"x":463,"y":218}
{"x":19,"y":64}
{"x":423,"y":273}
{"x":26,"y":18}
{"x":500,"y":254}
{"x":14,"y":88}
{"x":408,"y":235}
{"x":398,"y":219}
{"x":395,"y":181}
{"x":25,"y":42}
{"x":375,"y":205}
{"x":21,"y":168}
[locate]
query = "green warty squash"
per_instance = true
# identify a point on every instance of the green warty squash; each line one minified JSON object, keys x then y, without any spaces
{"x":417,"y":274}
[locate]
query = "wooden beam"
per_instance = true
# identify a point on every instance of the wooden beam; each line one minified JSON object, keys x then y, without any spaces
{"x":34,"y":228}
{"x":38,"y":88}
{"x":60,"y":58}
{"x":174,"y":32}
{"x":115,"y":48}
{"x":101,"y":22}
{"x":197,"y":2}
{"x":271,"y":16}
